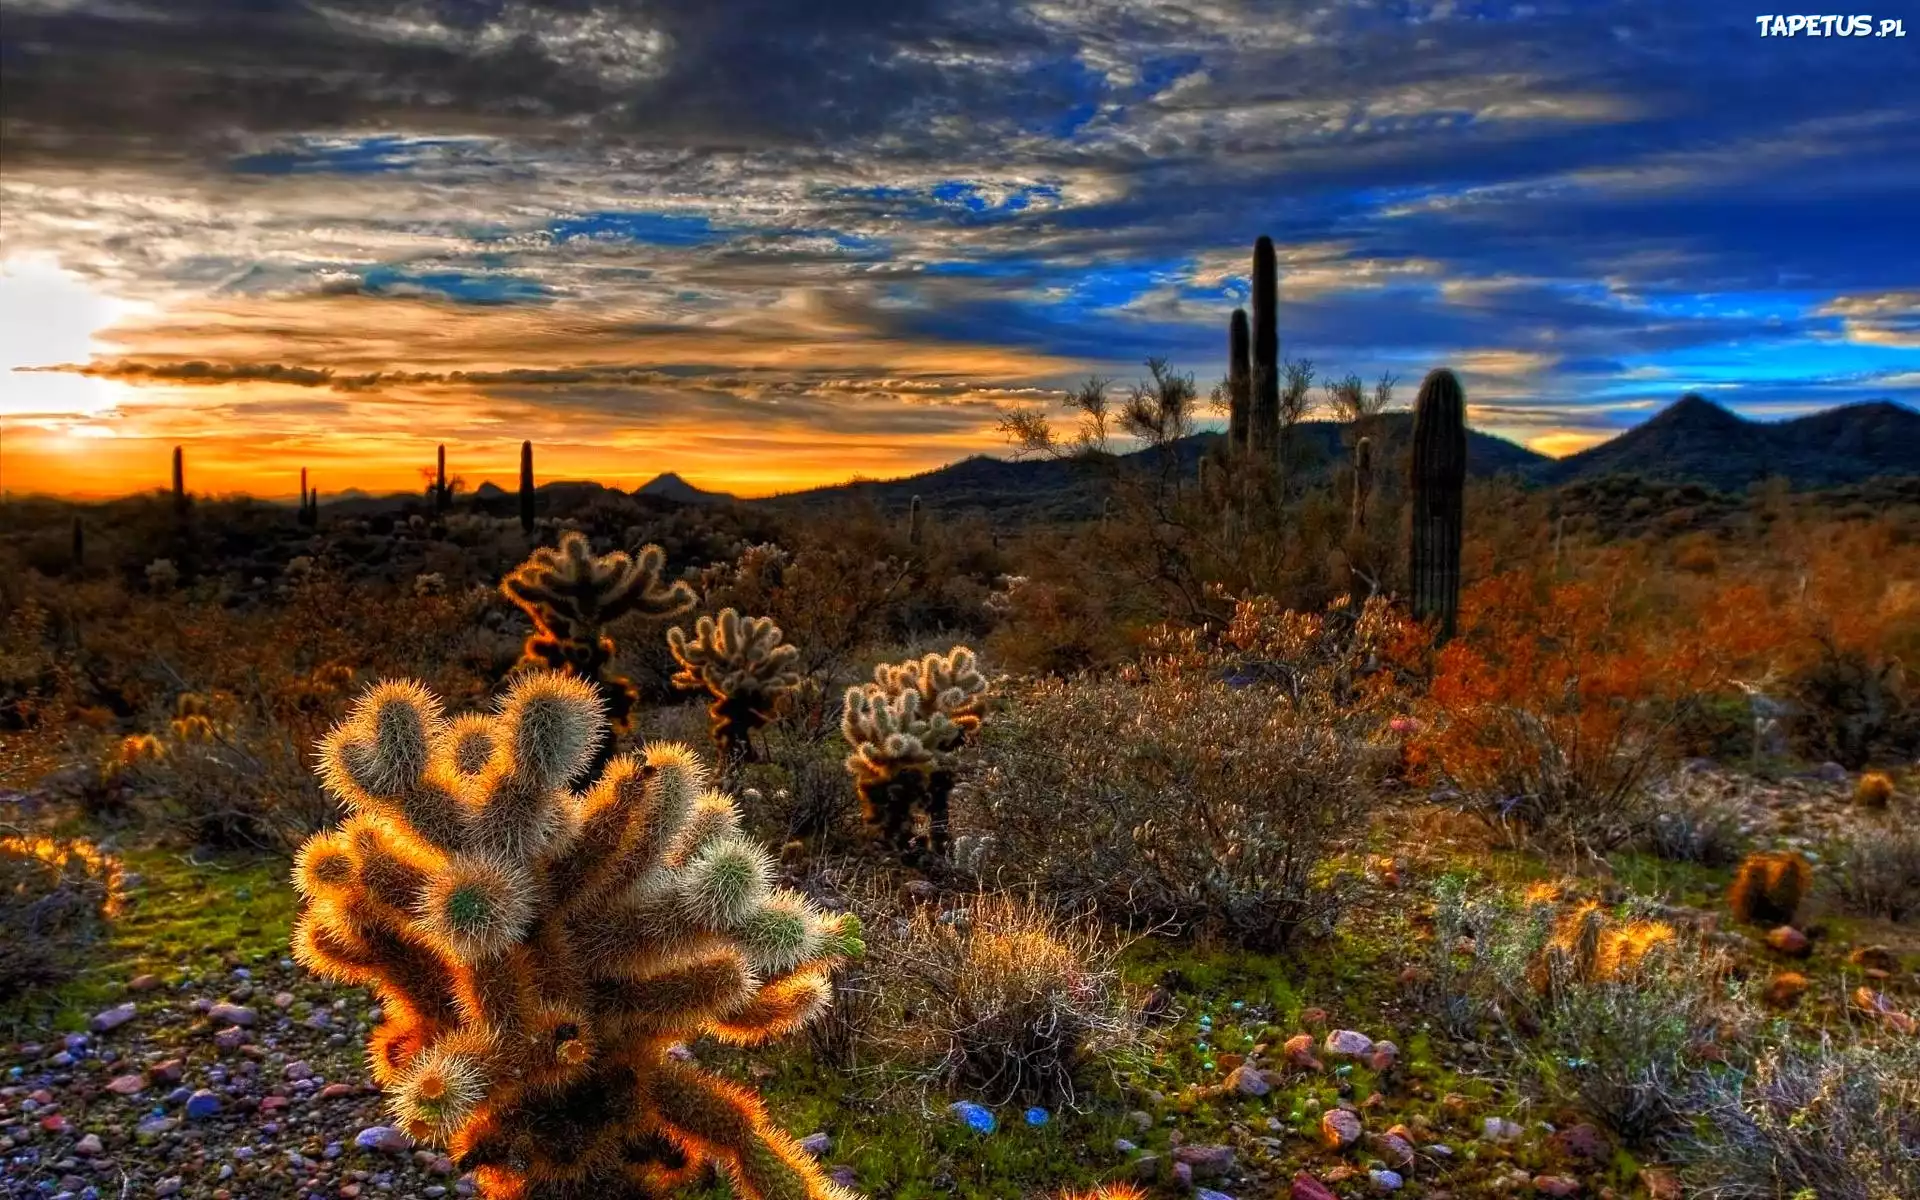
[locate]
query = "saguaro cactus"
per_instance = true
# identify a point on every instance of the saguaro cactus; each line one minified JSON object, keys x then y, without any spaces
{"x":1439,"y":478}
{"x":1362,"y":482}
{"x":572,"y":596}
{"x":538,"y":951}
{"x":1264,"y":411}
{"x":914,"y":519}
{"x":906,"y":728}
{"x":1239,"y":381}
{"x":179,"y":482}
{"x":440,"y":481}
{"x":745,"y":664}
{"x":526,"y":488}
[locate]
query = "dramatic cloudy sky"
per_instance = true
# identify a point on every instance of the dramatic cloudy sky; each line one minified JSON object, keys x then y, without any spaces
{"x":770,"y":243}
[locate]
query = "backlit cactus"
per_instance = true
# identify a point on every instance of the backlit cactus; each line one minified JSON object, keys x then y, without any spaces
{"x":1769,"y":886}
{"x":1264,"y":409}
{"x":1239,"y":381}
{"x":1362,"y":482}
{"x":1439,"y":499}
{"x":906,"y":728}
{"x":573,"y":595}
{"x":539,"y":950}
{"x":745,"y":664}
{"x":179,"y":482}
{"x":526,"y":488}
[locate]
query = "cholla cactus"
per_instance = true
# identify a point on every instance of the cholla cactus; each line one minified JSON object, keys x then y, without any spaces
{"x":538,"y":950}
{"x":572,"y":596}
{"x":745,"y":664}
{"x":906,"y":728}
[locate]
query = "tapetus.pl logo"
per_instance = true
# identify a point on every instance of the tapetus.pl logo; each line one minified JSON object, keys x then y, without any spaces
{"x":1862,"y":25}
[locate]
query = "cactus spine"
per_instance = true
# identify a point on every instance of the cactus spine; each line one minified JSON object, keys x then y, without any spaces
{"x":1239,"y":382}
{"x":526,"y":488}
{"x":179,"y":482}
{"x":914,"y":527}
{"x":440,"y":482}
{"x":906,"y":729}
{"x":1264,"y":409}
{"x":1362,"y":482}
{"x":746,"y":665}
{"x":1439,"y":477}
{"x":572,"y":596}
{"x":538,"y":951}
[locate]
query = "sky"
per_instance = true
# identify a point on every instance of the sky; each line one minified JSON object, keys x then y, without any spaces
{"x":771,"y":244}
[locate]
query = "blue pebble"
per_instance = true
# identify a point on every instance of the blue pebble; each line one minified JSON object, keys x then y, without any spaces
{"x":1210,"y":1194}
{"x":976,"y":1116}
{"x":1343,"y":1069}
{"x":1238,"y":1005}
{"x":179,"y":1095}
{"x":202,"y":1104}
{"x":15,"y":1072}
{"x":1038,"y":1116}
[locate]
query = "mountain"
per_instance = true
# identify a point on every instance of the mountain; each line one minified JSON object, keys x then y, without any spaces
{"x":1695,"y":440}
{"x":671,"y":487}
{"x":1051,"y":489}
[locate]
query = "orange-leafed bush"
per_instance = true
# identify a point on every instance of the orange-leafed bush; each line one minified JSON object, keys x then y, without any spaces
{"x":1875,"y":790}
{"x":1555,"y":705}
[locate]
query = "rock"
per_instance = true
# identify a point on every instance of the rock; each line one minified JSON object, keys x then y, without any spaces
{"x":1789,"y":941}
{"x":816,"y":1144}
{"x":169,"y":1071}
{"x":143,"y":983}
{"x":1123,"y":1146}
{"x":54,"y":1124}
{"x":89,"y":1146}
{"x":1141,"y":1118}
{"x":843,"y":1175}
{"x":127,"y":1085}
{"x":297,"y":1070}
{"x":153,"y":1127}
{"x":1581,"y":1141}
{"x":1385,"y":1181}
{"x":233,"y":1014}
{"x":1499,"y":1129}
{"x":976,"y":1117}
{"x":1208,"y":1162}
{"x":1556,"y":1185}
{"x":1037,"y":1116}
{"x":1874,"y":958}
{"x":1247,"y":1082}
{"x":334,"y":1091}
{"x":1786,"y":988}
{"x":1393,"y":1147}
{"x":1299,"y":1052}
{"x":384,"y":1138}
{"x":1210,"y":1194}
{"x":1306,"y":1187}
{"x":202,"y":1104}
{"x":1384,"y":1055}
{"x":1830,"y":772}
{"x":283,"y":999}
{"x":230,"y":1038}
{"x":1146,"y":1168}
{"x":112,"y":1018}
{"x":1182,"y":1175}
{"x":1339,"y":1128}
{"x":1346,"y":1043}
{"x":1314,"y":1018}
{"x":168,"y":1186}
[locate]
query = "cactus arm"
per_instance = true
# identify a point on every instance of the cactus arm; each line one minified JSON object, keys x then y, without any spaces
{"x":718,"y":1120}
{"x":781,"y":1006}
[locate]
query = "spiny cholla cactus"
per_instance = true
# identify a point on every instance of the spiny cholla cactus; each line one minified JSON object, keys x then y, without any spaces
{"x":539,"y":950}
{"x":905,"y":729}
{"x":745,"y":664}
{"x":573,"y":596}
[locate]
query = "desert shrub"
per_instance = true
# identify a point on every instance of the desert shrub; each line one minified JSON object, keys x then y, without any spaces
{"x":1698,"y":817}
{"x":1840,"y":1122}
{"x":1178,"y":795}
{"x":1769,"y":886}
{"x":1876,"y":872}
{"x":1005,"y":998}
{"x":55,"y":897}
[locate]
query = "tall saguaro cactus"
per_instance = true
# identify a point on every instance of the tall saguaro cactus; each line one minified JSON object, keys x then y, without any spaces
{"x":526,"y":488}
{"x":179,"y":482}
{"x":543,"y":937}
{"x":1239,"y":381}
{"x":1362,"y":482}
{"x":1264,"y":410}
{"x":1439,"y":478}
{"x":915,"y":519}
{"x":440,"y":482}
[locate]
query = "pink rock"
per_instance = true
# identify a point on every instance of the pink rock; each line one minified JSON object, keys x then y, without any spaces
{"x":1384,"y":1055}
{"x":334,"y":1091}
{"x":1306,"y":1187}
{"x":127,"y":1085}
{"x":1348,"y":1043}
{"x":1556,"y":1185}
{"x":1788,"y":941}
{"x":169,"y":1071}
{"x":1207,"y":1161}
{"x":1299,"y":1051}
{"x":1398,"y":1151}
{"x":1247,"y":1082}
{"x":1339,"y":1128}
{"x":143,"y":983}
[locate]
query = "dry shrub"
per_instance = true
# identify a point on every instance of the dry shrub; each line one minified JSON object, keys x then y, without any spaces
{"x":1208,"y":788}
{"x":55,"y":897}
{"x":1005,"y":998}
{"x":1698,"y":817}
{"x":1876,"y":872}
{"x":1836,"y":1122}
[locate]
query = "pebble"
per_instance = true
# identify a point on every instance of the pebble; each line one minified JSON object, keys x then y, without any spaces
{"x":112,"y":1018}
{"x":202,"y":1104}
{"x":1499,"y":1129}
{"x":816,"y":1144}
{"x":1247,"y":1082}
{"x":169,"y":1071}
{"x":1207,"y":1162}
{"x":1556,"y":1185}
{"x":88,"y":1146}
{"x":168,"y":1186}
{"x":143,"y":983}
{"x":1120,"y":1146}
{"x":127,"y":1085}
{"x":155,"y":1126}
{"x":1306,"y":1187}
{"x":1339,"y":1128}
{"x":1385,"y":1181}
{"x":977,"y":1117}
{"x":233,"y":1014}
{"x":297,"y":1070}
{"x":1348,"y":1043}
{"x":382,"y":1137}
